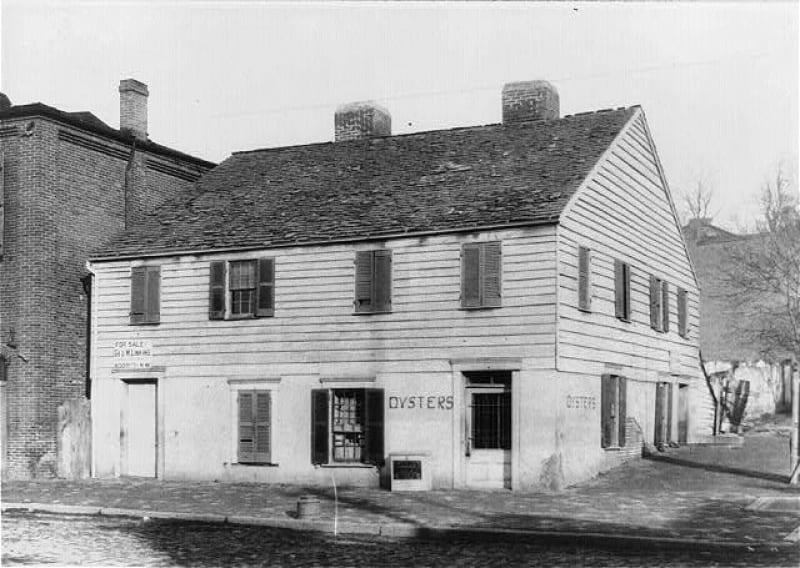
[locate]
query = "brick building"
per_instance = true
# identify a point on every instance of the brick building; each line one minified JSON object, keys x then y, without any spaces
{"x":69,"y":181}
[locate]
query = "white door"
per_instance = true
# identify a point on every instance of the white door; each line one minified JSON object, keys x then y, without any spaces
{"x":488,"y":456}
{"x":140,"y":429}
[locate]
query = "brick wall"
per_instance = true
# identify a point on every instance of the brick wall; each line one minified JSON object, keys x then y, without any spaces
{"x":64,"y":196}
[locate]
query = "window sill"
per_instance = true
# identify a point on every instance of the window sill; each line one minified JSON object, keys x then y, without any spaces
{"x":254,"y":464}
{"x":347,"y":465}
{"x":626,"y":320}
{"x":614,"y":448}
{"x":371,"y":313}
{"x":585,"y":310}
{"x":477,"y":308}
{"x":145,"y":323}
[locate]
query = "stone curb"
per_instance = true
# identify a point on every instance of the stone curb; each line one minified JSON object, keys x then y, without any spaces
{"x":400,"y":530}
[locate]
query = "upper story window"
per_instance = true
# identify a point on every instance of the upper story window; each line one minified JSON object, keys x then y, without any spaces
{"x":683,"y":327}
{"x":481,"y":275}
{"x":242,"y":289}
{"x":622,"y":290}
{"x":145,"y":294}
{"x":373,"y":285}
{"x":584,"y":279}
{"x":659,"y":304}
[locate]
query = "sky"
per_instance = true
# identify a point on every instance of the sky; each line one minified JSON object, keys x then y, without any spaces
{"x":718,"y":81}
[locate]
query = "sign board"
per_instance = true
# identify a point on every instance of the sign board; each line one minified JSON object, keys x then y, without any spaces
{"x":132,"y":354}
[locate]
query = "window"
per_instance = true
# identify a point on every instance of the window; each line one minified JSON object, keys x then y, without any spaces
{"x":373,"y":281}
{"x":656,"y":306}
{"x":612,"y":411}
{"x":242,"y":289}
{"x":145,"y":294}
{"x":347,"y":426}
{"x":584,"y":279}
{"x":622,"y":290}
{"x":255,"y":411}
{"x":664,"y":306}
{"x":683,"y":328}
{"x":481,"y":267}
{"x":489,"y":419}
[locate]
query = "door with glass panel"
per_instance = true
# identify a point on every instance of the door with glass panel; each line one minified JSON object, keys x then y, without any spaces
{"x":488,"y":429}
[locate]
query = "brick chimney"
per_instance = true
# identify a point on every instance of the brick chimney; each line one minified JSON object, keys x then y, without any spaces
{"x":5,"y":102}
{"x":133,"y":108}
{"x":356,"y":121}
{"x":529,"y":100}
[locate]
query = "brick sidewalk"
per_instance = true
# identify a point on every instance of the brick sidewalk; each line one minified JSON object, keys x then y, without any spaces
{"x":689,"y":493}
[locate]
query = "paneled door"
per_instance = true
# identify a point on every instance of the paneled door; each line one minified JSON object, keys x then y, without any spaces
{"x":488,"y":430}
{"x":139,"y":430}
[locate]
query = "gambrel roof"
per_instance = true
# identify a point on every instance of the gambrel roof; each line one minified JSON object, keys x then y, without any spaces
{"x":461,"y":179}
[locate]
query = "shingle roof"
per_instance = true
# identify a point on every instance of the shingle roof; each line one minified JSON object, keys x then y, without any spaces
{"x":439,"y":181}
{"x":88,"y":121}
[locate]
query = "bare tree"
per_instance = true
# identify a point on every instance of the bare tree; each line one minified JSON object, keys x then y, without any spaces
{"x":697,"y":202}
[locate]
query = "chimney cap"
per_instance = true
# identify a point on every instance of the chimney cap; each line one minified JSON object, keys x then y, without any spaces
{"x":133,"y":85}
{"x":360,"y":105}
{"x":5,"y":102}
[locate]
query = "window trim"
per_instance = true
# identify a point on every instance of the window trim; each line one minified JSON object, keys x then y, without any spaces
{"x":148,"y":271}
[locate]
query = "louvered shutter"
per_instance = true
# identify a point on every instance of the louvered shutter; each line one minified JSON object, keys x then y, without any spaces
{"x":382,"y":264}
{"x":265,"y":303}
{"x":622,"y":412}
{"x":247,"y":428}
{"x":319,"y":426}
{"x":659,"y":425}
{"x":682,"y":312}
{"x":626,"y":287}
{"x":669,"y":413}
{"x":470,"y":276}
{"x":665,"y":306}
{"x":374,"y":423}
{"x":138,"y":291}
{"x":606,"y":395}
{"x":491,"y":271}
{"x":262,"y":426}
{"x":619,"y":291}
{"x":153,"y":295}
{"x":216,"y":302}
{"x":584,"y":289}
{"x":364,"y":271}
{"x":655,"y":302}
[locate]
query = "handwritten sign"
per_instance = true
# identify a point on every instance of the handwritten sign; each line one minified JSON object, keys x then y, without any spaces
{"x":421,"y":402}
{"x":581,"y":402}
{"x":132,"y":354}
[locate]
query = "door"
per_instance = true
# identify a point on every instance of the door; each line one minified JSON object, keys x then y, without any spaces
{"x":660,"y":437}
{"x":488,"y":430}
{"x":683,"y":413}
{"x":139,"y":445}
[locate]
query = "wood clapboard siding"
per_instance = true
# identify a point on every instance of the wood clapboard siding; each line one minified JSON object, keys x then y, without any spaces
{"x":314,"y":319}
{"x":623,"y":212}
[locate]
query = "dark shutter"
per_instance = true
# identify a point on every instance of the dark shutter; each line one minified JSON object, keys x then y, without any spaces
{"x":669,"y":413}
{"x":659,"y":422}
{"x":262,"y":426}
{"x":622,"y":409}
{"x":626,"y":287}
{"x":682,"y":312}
{"x":491,"y":271}
{"x":606,"y":394}
{"x":655,"y":302}
{"x":216,"y":302}
{"x":665,"y":306}
{"x":584,"y":290}
{"x":374,"y":420}
{"x":382,"y":285}
{"x":153,"y":295}
{"x":363,"y":301}
{"x":138,"y":291}
{"x":319,"y":426}
{"x":619,"y":289}
{"x":470,"y":276}
{"x":247,"y":430}
{"x":265,"y":304}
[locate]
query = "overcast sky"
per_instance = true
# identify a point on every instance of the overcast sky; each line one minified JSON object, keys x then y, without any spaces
{"x":718,"y":82}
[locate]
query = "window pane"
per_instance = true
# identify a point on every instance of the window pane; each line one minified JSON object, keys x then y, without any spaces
{"x":242,"y":301}
{"x":491,"y":420}
{"x":243,"y":275}
{"x":348,"y":425}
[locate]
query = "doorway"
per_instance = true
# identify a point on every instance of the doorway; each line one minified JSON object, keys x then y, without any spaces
{"x":488,"y":429}
{"x":683,"y":413}
{"x":139,"y":431}
{"x":663,"y":418}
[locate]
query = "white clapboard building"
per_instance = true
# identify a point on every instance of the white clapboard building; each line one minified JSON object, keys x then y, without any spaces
{"x":509,"y":305}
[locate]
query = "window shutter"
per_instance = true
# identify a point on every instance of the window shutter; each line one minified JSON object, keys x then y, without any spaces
{"x":655,"y":297}
{"x":216,"y":303}
{"x":626,"y":287}
{"x":383,"y":280}
{"x":247,"y":431}
{"x":470,"y":276}
{"x":491,"y":271}
{"x":319,"y":426}
{"x":262,"y":426}
{"x":606,"y":394}
{"x":265,"y":303}
{"x":138,"y":282}
{"x":364,"y":271}
{"x":659,"y":426}
{"x":682,"y":312}
{"x":622,"y":412}
{"x":584,"y":290}
{"x":153,"y":295}
{"x":619,"y":291}
{"x":665,"y":306}
{"x":669,"y":413}
{"x":374,"y":423}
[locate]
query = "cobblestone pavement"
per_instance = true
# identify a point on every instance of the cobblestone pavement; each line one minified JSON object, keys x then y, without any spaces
{"x":698,"y":493}
{"x":103,"y":541}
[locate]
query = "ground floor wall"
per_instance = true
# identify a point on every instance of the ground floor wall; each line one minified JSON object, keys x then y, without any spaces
{"x":482,"y":423}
